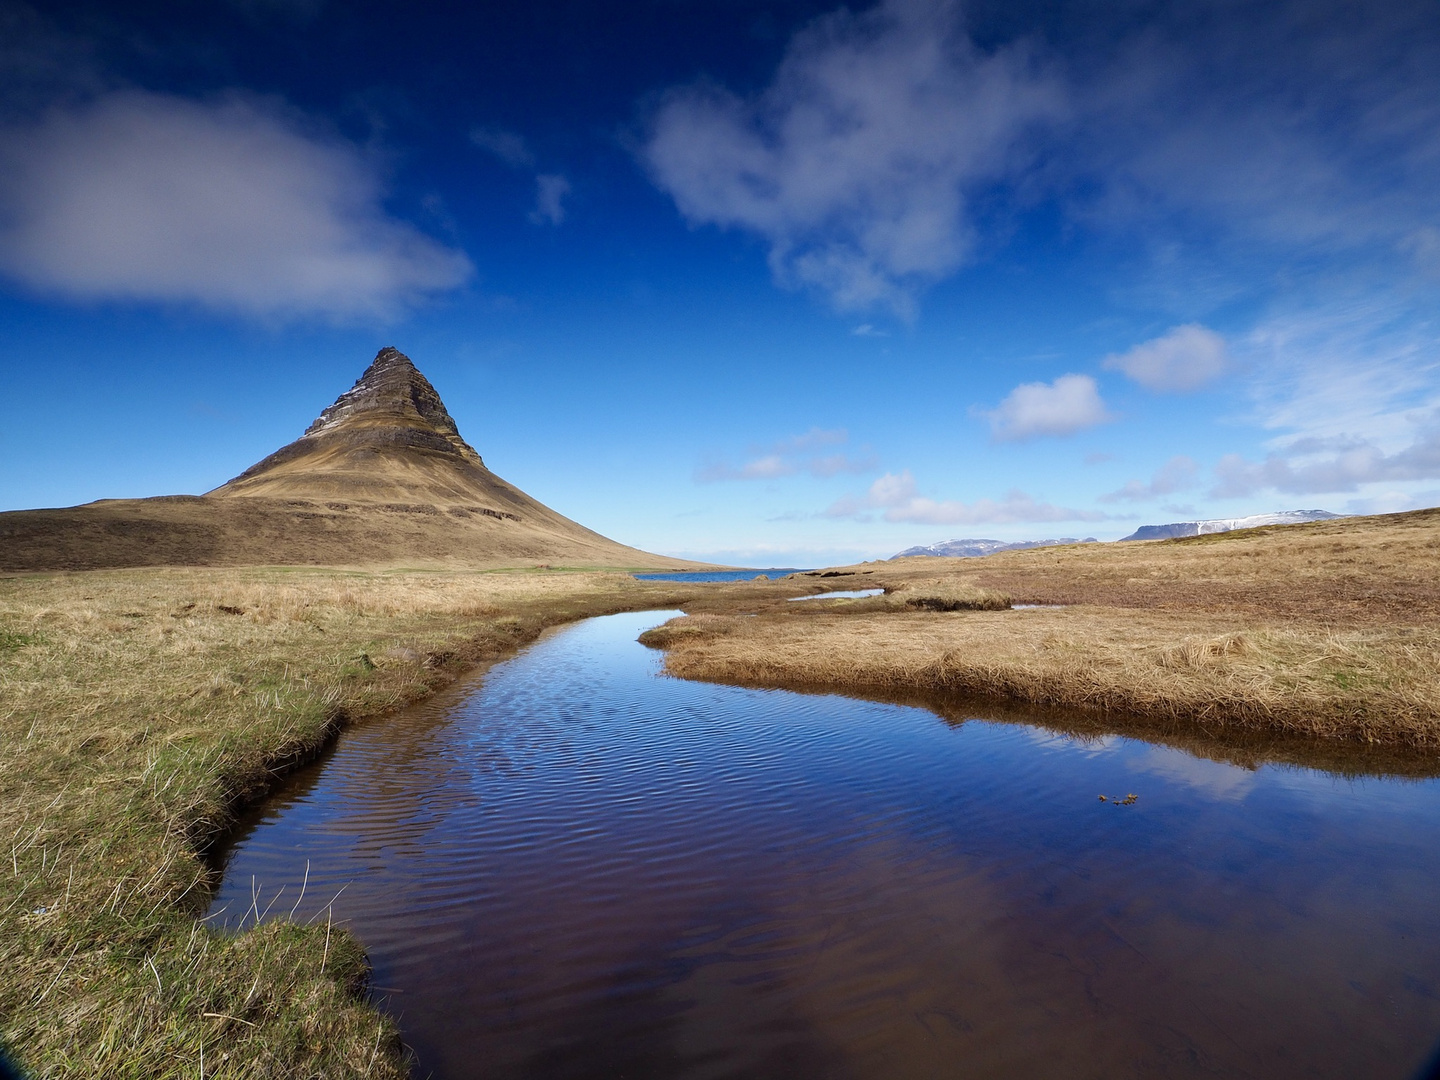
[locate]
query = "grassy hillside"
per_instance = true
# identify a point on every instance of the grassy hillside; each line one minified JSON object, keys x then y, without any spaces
{"x":192,"y":530}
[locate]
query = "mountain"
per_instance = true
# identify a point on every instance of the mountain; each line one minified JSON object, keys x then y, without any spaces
{"x":973,"y":549}
{"x":381,"y":478}
{"x":388,"y":437}
{"x":1220,"y":525}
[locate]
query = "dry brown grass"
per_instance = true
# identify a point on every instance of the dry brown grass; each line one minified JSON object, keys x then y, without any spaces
{"x":1369,"y":685}
{"x":1325,"y":631}
{"x":1342,"y":573}
{"x":138,"y":709}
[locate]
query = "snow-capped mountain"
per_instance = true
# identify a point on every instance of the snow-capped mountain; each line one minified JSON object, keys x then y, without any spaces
{"x":973,"y":549}
{"x":1219,"y":525}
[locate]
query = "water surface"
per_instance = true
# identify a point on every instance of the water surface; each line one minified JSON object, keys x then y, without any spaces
{"x":576,"y":867}
{"x":720,"y":575}
{"x":839,"y":594}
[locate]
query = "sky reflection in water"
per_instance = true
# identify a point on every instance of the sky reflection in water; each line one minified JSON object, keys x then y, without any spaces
{"x":577,"y":867}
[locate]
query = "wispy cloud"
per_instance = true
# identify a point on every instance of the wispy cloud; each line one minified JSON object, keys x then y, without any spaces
{"x":791,"y":456}
{"x":1328,"y":466}
{"x":509,"y":147}
{"x":1186,"y":358}
{"x":1314,"y":127}
{"x":855,"y":163}
{"x":1349,"y":364}
{"x":1294,"y":129}
{"x":768,"y":467}
{"x":550,"y":192}
{"x":236,"y":204}
{"x":895,"y":496}
{"x":1070,"y":404}
{"x":1177,"y":474}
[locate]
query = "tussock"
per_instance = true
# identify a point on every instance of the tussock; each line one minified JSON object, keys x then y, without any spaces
{"x":940,"y":594}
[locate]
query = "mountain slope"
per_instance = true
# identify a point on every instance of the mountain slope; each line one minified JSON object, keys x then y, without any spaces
{"x":382,"y":477}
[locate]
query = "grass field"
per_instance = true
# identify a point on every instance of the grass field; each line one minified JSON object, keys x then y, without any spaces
{"x":138,"y":710}
{"x":1329,"y":631}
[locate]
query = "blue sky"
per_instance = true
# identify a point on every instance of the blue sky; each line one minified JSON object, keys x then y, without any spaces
{"x":770,"y":283}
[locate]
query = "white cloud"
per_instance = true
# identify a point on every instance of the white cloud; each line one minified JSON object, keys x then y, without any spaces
{"x":550,"y":192}
{"x":1327,"y":466}
{"x":1177,"y":474}
{"x":1070,"y":404}
{"x":1185,"y":359}
{"x":1346,"y":365}
{"x":895,"y":494}
{"x":509,"y":147}
{"x":231,"y":205}
{"x":790,"y":456}
{"x":1217,"y":779}
{"x":768,"y":467}
{"x":1230,"y":147}
{"x":855,"y":165}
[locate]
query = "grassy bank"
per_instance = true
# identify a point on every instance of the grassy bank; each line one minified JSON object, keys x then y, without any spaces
{"x":138,"y":710}
{"x":1326,"y":631}
{"x":1369,"y":685}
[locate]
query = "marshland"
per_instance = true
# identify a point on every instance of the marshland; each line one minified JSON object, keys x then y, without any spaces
{"x":619,"y":704}
{"x":143,"y":710}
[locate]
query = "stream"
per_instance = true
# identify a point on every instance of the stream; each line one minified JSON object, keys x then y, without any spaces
{"x":574,"y":866}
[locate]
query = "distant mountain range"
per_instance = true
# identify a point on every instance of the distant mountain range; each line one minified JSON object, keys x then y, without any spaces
{"x":1220,"y":525}
{"x":973,"y":549}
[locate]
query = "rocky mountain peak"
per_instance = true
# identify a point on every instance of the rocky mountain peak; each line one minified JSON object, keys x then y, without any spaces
{"x":388,"y":437}
{"x":391,"y":390}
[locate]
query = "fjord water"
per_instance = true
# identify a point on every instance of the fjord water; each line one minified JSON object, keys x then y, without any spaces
{"x":576,"y":867}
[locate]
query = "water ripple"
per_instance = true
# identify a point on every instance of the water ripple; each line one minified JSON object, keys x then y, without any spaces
{"x":578,"y":867}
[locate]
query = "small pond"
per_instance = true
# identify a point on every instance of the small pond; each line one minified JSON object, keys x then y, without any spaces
{"x":574,"y":866}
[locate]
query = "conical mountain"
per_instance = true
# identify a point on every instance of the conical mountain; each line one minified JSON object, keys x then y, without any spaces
{"x":381,"y":478}
{"x":388,"y":438}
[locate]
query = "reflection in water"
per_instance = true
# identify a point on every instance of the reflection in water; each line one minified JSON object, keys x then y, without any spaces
{"x":580,"y":868}
{"x":840,"y":594}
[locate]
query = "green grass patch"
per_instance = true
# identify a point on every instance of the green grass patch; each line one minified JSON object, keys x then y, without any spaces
{"x":10,"y":640}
